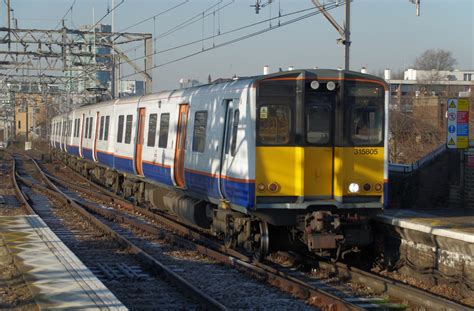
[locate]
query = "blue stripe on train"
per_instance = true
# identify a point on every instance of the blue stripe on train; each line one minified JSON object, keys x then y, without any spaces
{"x":240,"y":193}
{"x":74,"y":150}
{"x":124,"y":165}
{"x":105,"y":158}
{"x":87,"y":154}
{"x":158,"y":173}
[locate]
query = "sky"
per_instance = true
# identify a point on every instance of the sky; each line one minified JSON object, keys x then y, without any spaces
{"x":385,"y":33}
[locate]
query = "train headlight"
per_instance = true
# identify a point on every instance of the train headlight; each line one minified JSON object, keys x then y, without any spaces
{"x":367,"y":187}
{"x":354,"y":187}
{"x":261,"y":187}
{"x":331,"y":86}
{"x":378,"y":187}
{"x":314,"y":85}
{"x":273,"y":187}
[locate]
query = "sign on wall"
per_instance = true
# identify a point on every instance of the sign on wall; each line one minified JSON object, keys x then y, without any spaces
{"x":458,"y":123}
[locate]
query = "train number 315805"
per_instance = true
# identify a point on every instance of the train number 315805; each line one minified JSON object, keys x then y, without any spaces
{"x":366,"y":151}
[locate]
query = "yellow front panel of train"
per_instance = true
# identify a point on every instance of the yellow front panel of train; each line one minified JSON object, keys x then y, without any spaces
{"x":298,"y":171}
{"x":361,"y":165}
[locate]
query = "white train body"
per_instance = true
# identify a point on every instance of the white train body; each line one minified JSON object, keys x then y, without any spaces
{"x":218,"y":161}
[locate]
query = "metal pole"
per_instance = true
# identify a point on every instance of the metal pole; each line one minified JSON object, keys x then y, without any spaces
{"x":27,"y":126}
{"x":347,"y":35}
{"x":8,"y":22}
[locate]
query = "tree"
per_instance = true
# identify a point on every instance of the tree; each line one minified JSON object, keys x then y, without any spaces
{"x":435,"y":61}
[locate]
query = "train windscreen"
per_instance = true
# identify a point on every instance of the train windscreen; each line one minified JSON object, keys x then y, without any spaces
{"x":364,"y":106}
{"x":275,"y":113}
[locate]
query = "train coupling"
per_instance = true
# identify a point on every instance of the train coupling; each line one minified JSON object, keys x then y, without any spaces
{"x":322,"y":230}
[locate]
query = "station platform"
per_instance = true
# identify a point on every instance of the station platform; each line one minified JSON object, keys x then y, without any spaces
{"x":55,"y":276}
{"x":448,"y":229}
{"x":436,"y":246}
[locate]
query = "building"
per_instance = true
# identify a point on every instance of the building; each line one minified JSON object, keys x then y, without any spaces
{"x":30,"y":113}
{"x":77,"y":65}
{"x":443,"y":75}
{"x":132,"y":88}
{"x":186,"y":83}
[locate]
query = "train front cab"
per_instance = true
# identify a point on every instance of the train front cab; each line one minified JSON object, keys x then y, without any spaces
{"x":320,"y":156}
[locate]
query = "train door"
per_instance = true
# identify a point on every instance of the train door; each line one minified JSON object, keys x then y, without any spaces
{"x":82,"y":136}
{"x":139,"y":141}
{"x":96,"y":135}
{"x":225,"y":157}
{"x":180,"y":148}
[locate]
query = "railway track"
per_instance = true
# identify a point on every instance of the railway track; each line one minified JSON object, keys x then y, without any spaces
{"x":286,"y":278}
{"x":227,"y":285}
{"x":134,"y":276}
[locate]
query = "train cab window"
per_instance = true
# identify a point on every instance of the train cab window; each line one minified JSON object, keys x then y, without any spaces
{"x":128,"y":129}
{"x":121,"y":120}
{"x":318,"y":124}
{"x":164,"y":129}
{"x":199,"y":133}
{"x":274,"y":124}
{"x":152,"y":130}
{"x":101,"y":133}
{"x":106,"y":130}
{"x":366,"y":114}
{"x":234,"y":131}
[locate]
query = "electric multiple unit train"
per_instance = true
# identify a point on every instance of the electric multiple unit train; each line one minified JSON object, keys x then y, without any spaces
{"x":288,"y":160}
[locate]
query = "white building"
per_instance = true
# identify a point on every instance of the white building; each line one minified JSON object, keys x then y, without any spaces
{"x":454,"y":75}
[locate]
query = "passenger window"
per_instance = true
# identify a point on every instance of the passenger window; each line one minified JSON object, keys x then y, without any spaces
{"x":229,"y":130}
{"x":274,"y":124}
{"x":90,"y":127}
{"x":101,"y":134}
{"x":152,"y":130}
{"x":78,"y":127}
{"x":164,"y":127}
{"x":199,"y":134}
{"x":87,"y":128}
{"x":106,"y":130}
{"x":128,"y":129}
{"x":234,"y":131}
{"x":120,"y":129}
{"x":318,"y":124}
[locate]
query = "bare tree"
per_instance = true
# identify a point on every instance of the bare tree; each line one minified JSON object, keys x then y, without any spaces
{"x":412,"y":137}
{"x":435,"y":61}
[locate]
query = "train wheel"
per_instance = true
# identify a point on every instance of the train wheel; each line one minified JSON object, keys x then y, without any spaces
{"x":261,"y":243}
{"x":230,"y":240}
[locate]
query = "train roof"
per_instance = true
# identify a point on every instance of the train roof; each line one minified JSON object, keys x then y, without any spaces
{"x":242,"y":82}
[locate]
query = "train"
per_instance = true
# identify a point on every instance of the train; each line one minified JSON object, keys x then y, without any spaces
{"x":290,"y":160}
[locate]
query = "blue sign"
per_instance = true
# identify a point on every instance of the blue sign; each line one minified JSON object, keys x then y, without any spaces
{"x":463,"y":130}
{"x":452,"y":129}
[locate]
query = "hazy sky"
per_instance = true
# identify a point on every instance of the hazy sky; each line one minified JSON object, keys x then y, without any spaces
{"x":385,"y":33}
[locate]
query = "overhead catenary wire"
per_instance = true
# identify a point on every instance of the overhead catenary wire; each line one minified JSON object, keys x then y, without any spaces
{"x":259,"y":32}
{"x":219,"y":34}
{"x":195,"y":18}
{"x":154,"y":16}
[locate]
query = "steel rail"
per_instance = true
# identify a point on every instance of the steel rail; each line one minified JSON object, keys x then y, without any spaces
{"x":19,"y":193}
{"x":315,"y":296}
{"x":147,"y":260}
{"x":395,"y":289}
